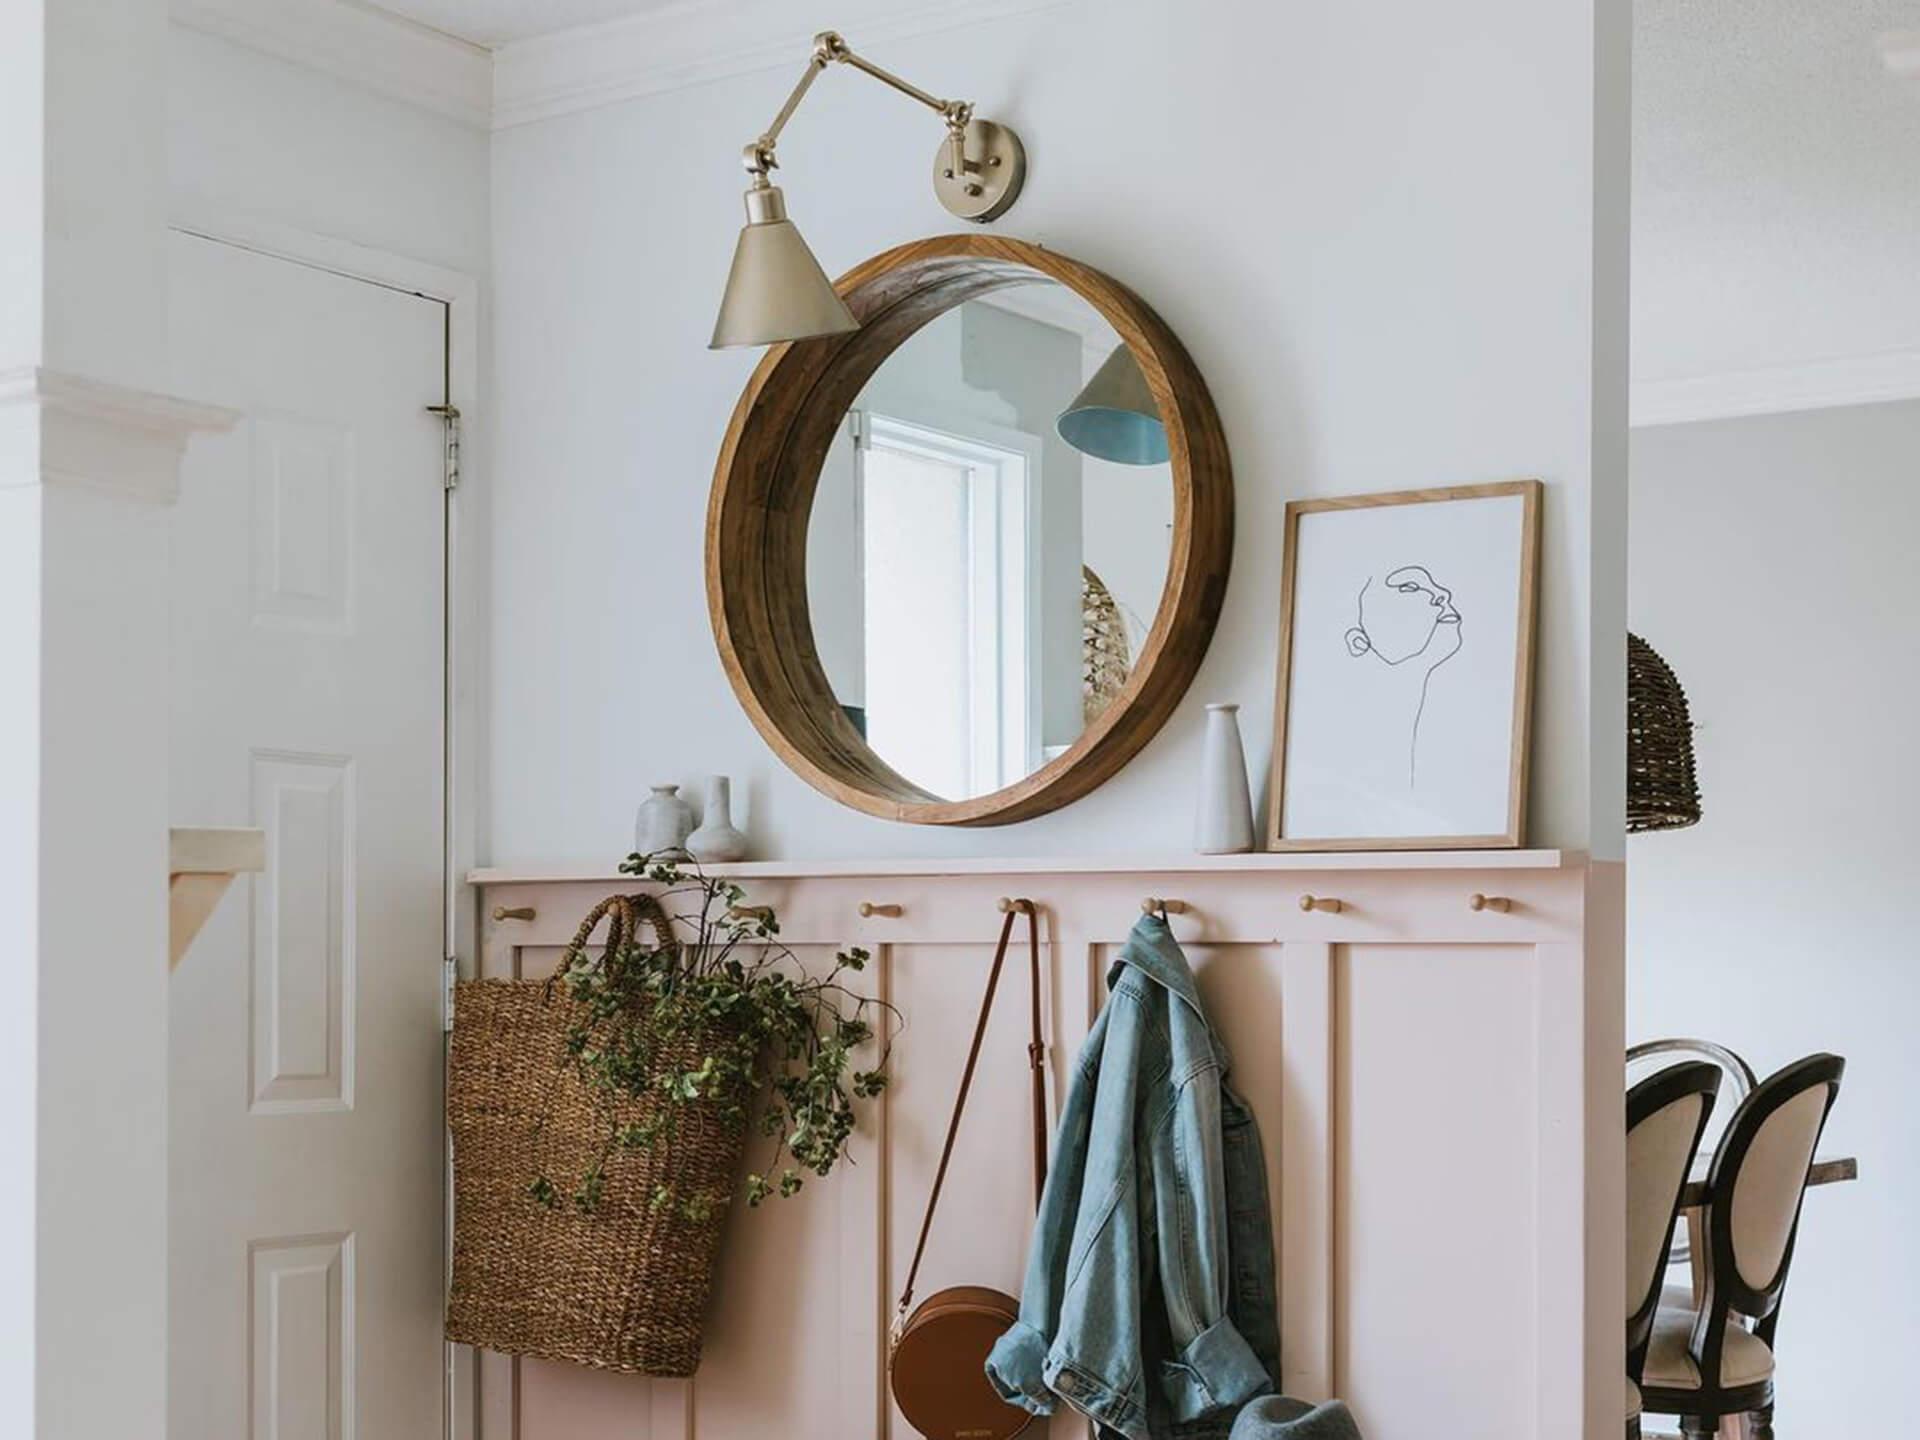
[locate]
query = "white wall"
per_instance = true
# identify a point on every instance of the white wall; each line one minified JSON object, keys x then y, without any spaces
{"x":1395,"y":262}
{"x":1772,"y":565}
{"x":253,"y":135}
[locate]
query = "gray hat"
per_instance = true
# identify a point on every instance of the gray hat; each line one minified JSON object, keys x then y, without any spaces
{"x":1274,"y":1417}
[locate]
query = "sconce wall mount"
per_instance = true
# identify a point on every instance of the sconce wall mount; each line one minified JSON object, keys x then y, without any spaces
{"x":979,"y":168}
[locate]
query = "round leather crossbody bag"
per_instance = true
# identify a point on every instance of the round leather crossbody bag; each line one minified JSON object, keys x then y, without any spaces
{"x":939,"y":1366}
{"x":938,"y":1356}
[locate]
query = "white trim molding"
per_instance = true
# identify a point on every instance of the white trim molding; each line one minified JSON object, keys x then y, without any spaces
{"x":360,"y":44}
{"x":693,"y":41}
{"x":684,"y":42}
{"x":1812,"y":385}
{"x":70,"y":429}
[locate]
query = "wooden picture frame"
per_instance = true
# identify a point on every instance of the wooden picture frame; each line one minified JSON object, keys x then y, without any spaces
{"x":763,"y":488}
{"x":1282,"y":836}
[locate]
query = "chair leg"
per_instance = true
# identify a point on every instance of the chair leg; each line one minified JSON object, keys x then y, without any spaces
{"x":1760,"y":1423}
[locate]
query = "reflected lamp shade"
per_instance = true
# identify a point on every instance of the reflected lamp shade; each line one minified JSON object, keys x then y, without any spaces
{"x":1662,"y":793}
{"x":1114,"y":417}
{"x":776,"y":290}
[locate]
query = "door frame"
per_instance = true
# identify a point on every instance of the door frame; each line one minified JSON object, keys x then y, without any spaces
{"x":464,"y":656}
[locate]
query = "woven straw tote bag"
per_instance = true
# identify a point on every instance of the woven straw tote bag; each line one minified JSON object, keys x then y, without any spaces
{"x":623,"y":1286}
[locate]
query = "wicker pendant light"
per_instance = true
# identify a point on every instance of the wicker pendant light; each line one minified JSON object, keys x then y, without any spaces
{"x":1661,"y":792}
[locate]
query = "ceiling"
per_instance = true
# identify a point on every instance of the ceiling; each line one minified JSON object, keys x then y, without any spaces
{"x":1776,"y":215}
{"x":493,"y":23}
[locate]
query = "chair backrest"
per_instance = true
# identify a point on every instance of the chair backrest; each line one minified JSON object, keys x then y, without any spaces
{"x":1736,"y":1083}
{"x":1754,"y":1190}
{"x":1736,"y":1075}
{"x":1666,"y":1115}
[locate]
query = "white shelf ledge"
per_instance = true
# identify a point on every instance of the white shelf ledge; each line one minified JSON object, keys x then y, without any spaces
{"x":201,"y":864}
{"x":210,"y":850}
{"x":1277,"y":863}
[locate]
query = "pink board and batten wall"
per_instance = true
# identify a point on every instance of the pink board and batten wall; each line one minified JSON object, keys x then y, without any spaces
{"x":1438,"y":1089}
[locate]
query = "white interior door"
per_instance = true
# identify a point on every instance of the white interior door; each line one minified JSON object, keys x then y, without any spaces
{"x":306,"y":1156}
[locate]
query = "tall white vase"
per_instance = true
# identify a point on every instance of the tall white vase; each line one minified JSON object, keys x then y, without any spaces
{"x":1223,"y":818}
{"x":717,"y":841}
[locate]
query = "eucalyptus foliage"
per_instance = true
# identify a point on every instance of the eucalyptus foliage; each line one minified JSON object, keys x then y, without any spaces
{"x":728,"y":1021}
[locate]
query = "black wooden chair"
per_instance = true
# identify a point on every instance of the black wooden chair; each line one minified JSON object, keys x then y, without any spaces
{"x":1736,"y":1083}
{"x":1666,"y":1115}
{"x":1703,"y":1364}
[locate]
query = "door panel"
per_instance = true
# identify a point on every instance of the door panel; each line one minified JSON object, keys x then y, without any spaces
{"x":306,"y":1153}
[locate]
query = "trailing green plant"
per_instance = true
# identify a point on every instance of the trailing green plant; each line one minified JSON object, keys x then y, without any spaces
{"x":726,"y":1026}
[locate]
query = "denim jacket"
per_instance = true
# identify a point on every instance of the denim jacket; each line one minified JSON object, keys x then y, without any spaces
{"x":1149,"y":1295}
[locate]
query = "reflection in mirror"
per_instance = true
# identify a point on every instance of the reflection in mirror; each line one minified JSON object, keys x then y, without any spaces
{"x":989,"y":539}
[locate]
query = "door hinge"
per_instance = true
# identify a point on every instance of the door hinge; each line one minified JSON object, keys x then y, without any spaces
{"x":450,"y":421}
{"x":449,"y":977}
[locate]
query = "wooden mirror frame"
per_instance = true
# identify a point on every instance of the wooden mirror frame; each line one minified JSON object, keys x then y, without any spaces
{"x":763,"y":490}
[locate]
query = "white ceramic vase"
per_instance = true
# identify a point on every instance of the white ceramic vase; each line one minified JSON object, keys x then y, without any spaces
{"x":717,"y":841}
{"x":1223,"y":817}
{"x":663,"y":825}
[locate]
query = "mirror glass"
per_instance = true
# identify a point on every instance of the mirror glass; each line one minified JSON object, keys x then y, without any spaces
{"x":989,"y":539}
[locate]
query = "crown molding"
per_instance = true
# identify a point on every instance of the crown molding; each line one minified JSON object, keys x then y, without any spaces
{"x":360,"y":45}
{"x":68,"y":429}
{"x":1811,"y":385}
{"x":693,"y":41}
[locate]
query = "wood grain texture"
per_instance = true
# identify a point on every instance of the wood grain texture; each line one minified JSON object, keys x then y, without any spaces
{"x":764,"y":482}
{"x":1519,"y":765}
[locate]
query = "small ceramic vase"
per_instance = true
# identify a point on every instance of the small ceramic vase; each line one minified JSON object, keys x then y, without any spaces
{"x":664,"y":823}
{"x":1223,"y":818}
{"x":716,"y":841}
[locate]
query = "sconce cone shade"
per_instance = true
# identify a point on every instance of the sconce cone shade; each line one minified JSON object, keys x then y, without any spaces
{"x":1114,"y":417}
{"x":776,"y":290}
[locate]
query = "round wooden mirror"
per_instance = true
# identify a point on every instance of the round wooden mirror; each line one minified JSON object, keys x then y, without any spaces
{"x":963,"y":562}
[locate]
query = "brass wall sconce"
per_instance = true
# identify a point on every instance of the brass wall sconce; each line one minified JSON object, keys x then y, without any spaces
{"x":776,"y":290}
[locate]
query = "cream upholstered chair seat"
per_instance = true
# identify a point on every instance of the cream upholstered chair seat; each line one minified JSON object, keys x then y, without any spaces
{"x":1746,"y":1359}
{"x":1633,"y":1399}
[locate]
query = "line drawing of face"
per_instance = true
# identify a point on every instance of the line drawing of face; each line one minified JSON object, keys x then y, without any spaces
{"x":1410,"y":616}
{"x":1403,"y":618}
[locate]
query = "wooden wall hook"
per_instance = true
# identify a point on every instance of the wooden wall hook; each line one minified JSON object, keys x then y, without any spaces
{"x":1022,"y":905}
{"x":1325,"y":903}
{"x":513,"y":912}
{"x":1489,"y":902}
{"x":1154,"y":905}
{"x":750,"y":912}
{"x":868,"y":910}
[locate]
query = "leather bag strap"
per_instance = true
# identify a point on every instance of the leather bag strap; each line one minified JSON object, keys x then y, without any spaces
{"x":1036,"y":1062}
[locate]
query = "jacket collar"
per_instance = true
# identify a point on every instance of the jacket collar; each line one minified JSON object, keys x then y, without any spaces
{"x":1152,"y":950}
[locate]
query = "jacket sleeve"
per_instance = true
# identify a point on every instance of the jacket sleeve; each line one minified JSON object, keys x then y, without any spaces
{"x":1017,"y":1362}
{"x":1213,"y":1367}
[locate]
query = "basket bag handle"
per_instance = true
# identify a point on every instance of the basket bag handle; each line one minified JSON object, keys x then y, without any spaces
{"x":1036,"y":1056}
{"x":624,"y":914}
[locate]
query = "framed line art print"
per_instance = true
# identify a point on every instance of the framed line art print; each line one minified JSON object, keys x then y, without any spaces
{"x":1404,"y":697}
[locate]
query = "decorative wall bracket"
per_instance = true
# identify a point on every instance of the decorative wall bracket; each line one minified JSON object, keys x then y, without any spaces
{"x":201,"y":864}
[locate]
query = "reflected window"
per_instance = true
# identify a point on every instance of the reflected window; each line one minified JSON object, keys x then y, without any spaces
{"x":948,"y":602}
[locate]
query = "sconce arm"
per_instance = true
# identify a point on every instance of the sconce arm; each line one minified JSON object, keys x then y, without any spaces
{"x":829,"y":49}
